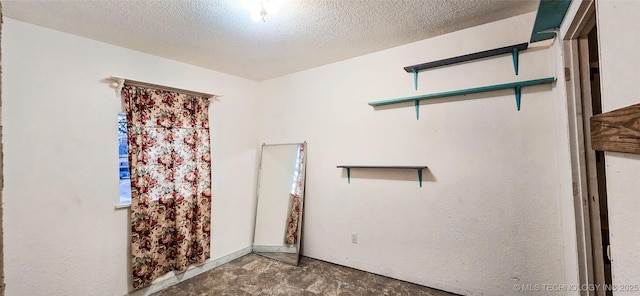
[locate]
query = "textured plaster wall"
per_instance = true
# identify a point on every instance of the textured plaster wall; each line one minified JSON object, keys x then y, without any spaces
{"x":617,"y":34}
{"x":1,"y":175}
{"x":489,"y":214}
{"x":62,"y":233}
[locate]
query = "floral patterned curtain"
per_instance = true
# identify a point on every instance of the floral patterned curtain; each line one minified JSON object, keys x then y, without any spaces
{"x":169,"y":157}
{"x":291,"y":235}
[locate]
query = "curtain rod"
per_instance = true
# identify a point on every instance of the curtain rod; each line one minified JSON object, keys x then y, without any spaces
{"x":119,"y":82}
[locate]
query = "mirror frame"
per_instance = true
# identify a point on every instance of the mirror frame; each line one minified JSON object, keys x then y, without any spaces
{"x":301,"y":207}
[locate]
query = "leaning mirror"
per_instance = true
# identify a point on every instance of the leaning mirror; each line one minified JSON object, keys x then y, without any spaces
{"x":280,"y":199}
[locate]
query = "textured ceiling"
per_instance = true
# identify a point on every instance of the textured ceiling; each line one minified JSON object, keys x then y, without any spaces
{"x":220,"y":35}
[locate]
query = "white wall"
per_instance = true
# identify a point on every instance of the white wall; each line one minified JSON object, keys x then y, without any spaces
{"x":489,"y":213}
{"x":619,"y":40}
{"x":62,"y":235}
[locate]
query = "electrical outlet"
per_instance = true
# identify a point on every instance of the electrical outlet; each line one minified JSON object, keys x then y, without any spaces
{"x":354,"y":238}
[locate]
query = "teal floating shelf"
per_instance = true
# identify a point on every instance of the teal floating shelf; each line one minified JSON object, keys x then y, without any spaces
{"x":349,"y":167}
{"x":516,"y":86}
{"x":549,"y":18}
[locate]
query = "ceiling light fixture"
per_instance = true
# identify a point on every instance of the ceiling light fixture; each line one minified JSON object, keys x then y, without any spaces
{"x":260,"y":9}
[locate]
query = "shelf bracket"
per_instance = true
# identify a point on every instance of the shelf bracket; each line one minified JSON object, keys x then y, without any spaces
{"x":348,"y":175}
{"x":420,"y":176}
{"x":518,"y":90}
{"x":515,"y":59}
{"x":417,"y":104}
{"x":415,"y":78}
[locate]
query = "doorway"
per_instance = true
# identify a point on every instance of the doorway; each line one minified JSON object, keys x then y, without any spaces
{"x":597,"y":188}
{"x":583,"y":90}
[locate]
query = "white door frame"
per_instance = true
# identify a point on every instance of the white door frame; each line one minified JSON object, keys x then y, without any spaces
{"x":584,"y":178}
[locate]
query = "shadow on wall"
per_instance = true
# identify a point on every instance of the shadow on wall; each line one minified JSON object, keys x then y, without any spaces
{"x":389,"y":174}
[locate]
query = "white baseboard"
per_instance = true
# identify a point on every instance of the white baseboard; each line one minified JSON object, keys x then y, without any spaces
{"x":171,"y":278}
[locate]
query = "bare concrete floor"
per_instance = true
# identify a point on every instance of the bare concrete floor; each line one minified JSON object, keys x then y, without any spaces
{"x":256,"y":275}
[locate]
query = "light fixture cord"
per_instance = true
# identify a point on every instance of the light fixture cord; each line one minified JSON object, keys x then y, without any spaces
{"x":263,"y":12}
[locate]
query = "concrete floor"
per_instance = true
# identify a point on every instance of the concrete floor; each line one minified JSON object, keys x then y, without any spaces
{"x":256,"y":275}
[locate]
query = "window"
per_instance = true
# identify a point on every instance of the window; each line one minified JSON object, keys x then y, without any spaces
{"x":123,"y":161}
{"x":296,"y":172}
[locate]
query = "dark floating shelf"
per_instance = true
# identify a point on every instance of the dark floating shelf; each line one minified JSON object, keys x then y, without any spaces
{"x":512,"y":49}
{"x":349,"y":167}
